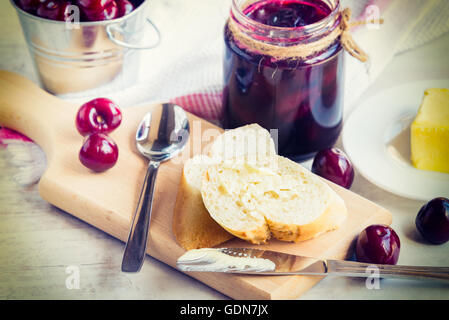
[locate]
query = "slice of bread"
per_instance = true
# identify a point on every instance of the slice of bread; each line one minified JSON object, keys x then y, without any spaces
{"x":192,"y":225}
{"x":272,"y":196}
{"x":248,"y":141}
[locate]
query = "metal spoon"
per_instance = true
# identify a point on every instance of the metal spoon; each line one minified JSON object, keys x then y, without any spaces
{"x":162,"y":134}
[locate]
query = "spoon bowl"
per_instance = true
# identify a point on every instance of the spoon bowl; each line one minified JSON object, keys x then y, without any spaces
{"x":163,"y":132}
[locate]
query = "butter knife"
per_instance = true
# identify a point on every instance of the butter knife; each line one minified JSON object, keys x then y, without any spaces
{"x":266,"y":262}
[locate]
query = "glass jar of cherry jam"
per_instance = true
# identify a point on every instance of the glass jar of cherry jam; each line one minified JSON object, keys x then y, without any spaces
{"x":282,"y":72}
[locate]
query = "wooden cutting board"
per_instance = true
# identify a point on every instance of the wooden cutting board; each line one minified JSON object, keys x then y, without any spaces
{"x":107,"y":200}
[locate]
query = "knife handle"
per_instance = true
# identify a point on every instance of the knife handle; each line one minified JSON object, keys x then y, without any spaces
{"x":358,"y":269}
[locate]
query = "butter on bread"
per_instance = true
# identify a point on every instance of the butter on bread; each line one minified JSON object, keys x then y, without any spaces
{"x":430,"y":132}
{"x":192,"y":225}
{"x":272,"y":196}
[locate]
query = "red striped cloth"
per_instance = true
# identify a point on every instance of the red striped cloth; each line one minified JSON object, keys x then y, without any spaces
{"x":8,"y":134}
{"x":205,"y":105}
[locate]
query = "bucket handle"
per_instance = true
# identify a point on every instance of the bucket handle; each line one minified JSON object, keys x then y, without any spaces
{"x":114,"y":27}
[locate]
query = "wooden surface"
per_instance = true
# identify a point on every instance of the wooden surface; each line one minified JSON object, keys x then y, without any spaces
{"x":107,"y":200}
{"x":33,"y":265}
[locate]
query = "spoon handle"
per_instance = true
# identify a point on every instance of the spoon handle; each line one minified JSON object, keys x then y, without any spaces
{"x":137,"y":241}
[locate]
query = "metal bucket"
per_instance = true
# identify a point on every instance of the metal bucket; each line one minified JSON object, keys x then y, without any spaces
{"x":72,"y":58}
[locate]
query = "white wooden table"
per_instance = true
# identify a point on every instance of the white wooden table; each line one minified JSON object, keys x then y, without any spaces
{"x":42,"y":248}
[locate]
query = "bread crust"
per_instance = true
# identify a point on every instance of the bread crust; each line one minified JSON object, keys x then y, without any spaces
{"x":257,"y":236}
{"x":219,"y":145}
{"x":192,"y":225}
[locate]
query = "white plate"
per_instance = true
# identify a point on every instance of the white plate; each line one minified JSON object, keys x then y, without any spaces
{"x":376,"y":139}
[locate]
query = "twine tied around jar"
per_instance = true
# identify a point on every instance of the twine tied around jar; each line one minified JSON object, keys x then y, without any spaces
{"x":346,"y":39}
{"x":305,"y":50}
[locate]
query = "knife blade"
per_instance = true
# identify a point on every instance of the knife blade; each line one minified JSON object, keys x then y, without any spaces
{"x":267,"y":262}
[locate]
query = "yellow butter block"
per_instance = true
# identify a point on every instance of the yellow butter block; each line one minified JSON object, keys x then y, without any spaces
{"x":430,"y":132}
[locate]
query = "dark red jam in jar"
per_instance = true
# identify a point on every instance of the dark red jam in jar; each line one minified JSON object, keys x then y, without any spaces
{"x":284,"y":70}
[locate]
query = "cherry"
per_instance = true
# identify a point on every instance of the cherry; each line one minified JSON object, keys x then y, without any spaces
{"x":100,"y":10}
{"x":378,"y":244}
{"x":432,"y":220}
{"x":99,"y":152}
{"x":92,"y":10}
{"x":54,"y":10}
{"x":100,"y":115}
{"x":93,"y":5}
{"x":30,"y":5}
{"x":124,"y":7}
{"x":333,"y":164}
